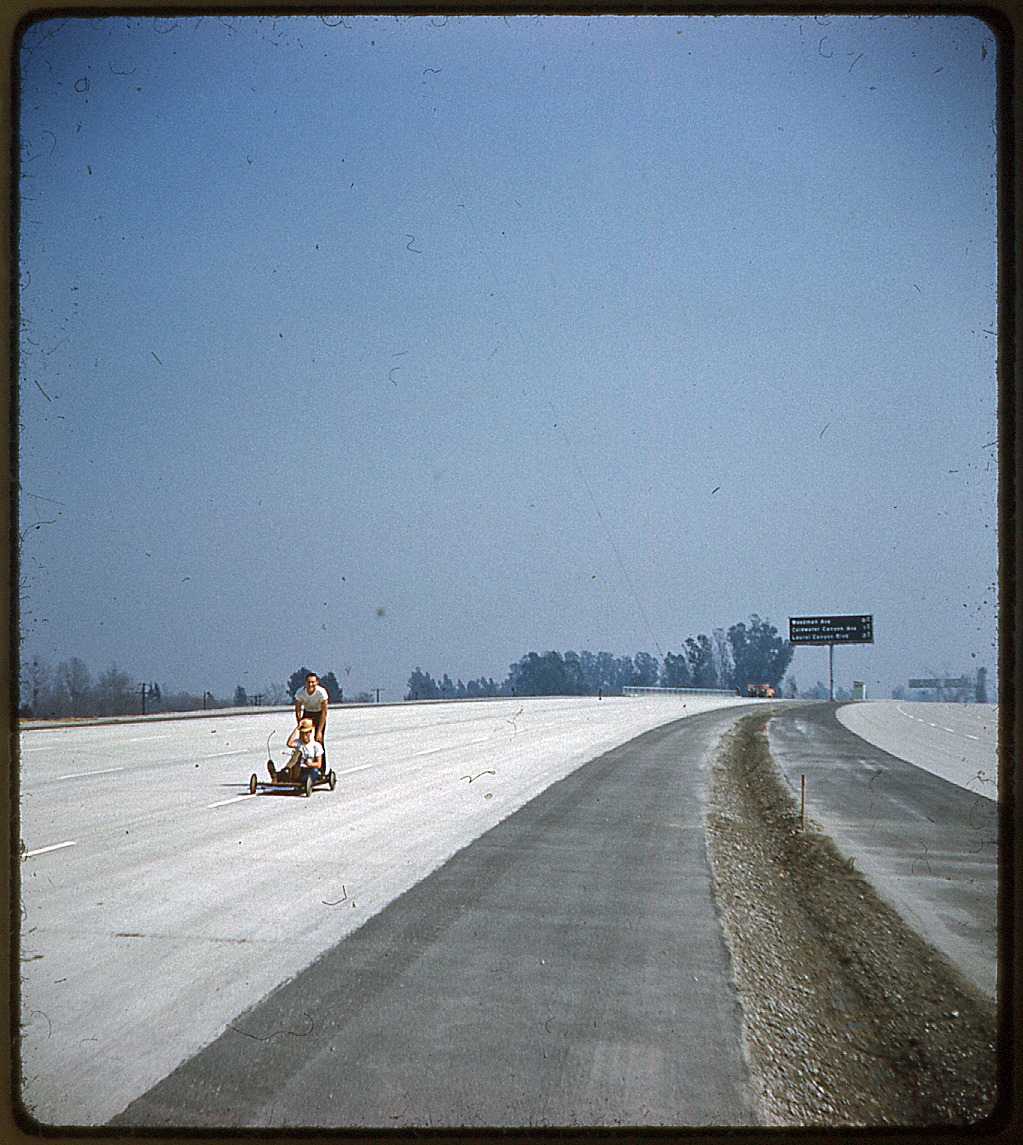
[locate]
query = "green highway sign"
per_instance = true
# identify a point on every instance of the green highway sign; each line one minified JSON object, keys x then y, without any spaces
{"x":831,"y":630}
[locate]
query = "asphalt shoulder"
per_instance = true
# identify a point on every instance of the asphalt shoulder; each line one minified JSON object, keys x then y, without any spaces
{"x":928,"y":846}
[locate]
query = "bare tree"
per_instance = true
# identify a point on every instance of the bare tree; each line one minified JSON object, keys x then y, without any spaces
{"x":114,"y":692}
{"x":75,"y":679}
{"x":35,"y":679}
{"x":277,"y":694}
{"x":724,"y":665}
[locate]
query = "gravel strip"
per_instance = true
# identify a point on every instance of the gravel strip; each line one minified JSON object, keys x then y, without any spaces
{"x":849,"y":1017}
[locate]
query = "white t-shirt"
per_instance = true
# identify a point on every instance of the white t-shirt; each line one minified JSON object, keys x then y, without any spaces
{"x":310,"y":752}
{"x":312,"y":701}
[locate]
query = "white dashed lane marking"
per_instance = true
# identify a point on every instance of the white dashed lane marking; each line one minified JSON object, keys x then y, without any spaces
{"x":450,"y":747}
{"x":83,"y":774}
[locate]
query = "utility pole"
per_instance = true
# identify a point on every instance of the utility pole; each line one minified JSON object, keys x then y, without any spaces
{"x":378,"y":695}
{"x":142,"y":693}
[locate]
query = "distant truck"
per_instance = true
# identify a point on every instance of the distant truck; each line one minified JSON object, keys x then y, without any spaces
{"x":760,"y":691}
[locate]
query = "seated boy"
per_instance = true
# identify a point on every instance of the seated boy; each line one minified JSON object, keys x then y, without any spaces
{"x":306,"y":755}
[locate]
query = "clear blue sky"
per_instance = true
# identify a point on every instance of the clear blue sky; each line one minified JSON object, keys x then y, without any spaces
{"x":428,"y":342}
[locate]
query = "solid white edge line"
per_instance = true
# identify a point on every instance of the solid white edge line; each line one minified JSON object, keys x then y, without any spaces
{"x":52,"y":847}
{"x":353,"y":770}
{"x":225,"y":802}
{"x":83,"y":774}
{"x":235,"y":751}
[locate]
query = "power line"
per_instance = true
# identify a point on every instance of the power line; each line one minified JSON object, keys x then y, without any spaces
{"x":499,"y":292}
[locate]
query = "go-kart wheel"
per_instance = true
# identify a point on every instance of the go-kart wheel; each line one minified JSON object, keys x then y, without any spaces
{"x":307,"y":787}
{"x":253,"y":783}
{"x":331,"y":780}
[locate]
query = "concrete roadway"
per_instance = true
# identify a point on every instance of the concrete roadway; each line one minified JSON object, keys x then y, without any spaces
{"x":567,"y":968}
{"x":160,"y":899}
{"x":928,"y":845}
{"x":562,"y":964}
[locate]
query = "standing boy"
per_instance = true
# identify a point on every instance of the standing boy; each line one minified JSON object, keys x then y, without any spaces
{"x":311,"y":704}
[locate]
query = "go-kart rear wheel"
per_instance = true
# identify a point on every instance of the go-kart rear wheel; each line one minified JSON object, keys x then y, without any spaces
{"x":253,"y":783}
{"x":307,"y":787}
{"x":331,"y":780}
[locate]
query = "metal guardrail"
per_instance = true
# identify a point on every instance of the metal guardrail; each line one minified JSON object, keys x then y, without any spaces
{"x":679,"y":692}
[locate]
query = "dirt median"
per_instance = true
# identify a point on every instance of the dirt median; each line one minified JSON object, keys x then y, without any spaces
{"x":849,"y":1017}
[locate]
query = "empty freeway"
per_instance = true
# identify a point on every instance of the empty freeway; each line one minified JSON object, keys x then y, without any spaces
{"x":503,"y":915}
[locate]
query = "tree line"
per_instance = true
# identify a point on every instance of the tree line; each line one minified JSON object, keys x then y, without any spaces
{"x":746,"y":654}
{"x":69,"y":690}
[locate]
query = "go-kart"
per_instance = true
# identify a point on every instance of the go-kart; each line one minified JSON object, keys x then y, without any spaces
{"x":292,"y":779}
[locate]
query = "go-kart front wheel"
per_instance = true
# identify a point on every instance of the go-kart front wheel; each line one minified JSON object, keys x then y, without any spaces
{"x":253,"y":784}
{"x":307,"y":787}
{"x":331,"y":780}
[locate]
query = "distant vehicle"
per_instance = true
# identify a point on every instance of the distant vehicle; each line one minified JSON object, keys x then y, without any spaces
{"x":760,"y":691}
